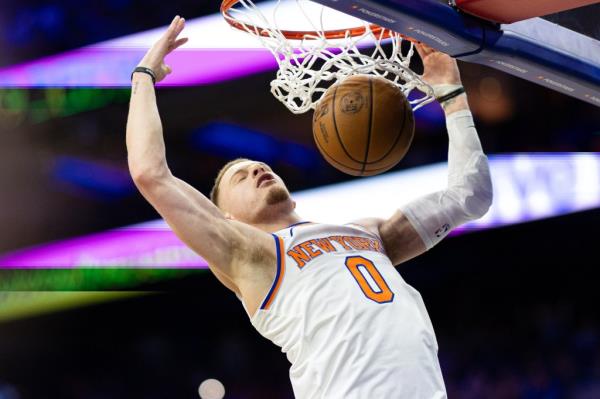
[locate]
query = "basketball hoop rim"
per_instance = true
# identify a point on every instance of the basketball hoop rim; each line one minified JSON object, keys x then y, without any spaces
{"x":377,"y":30}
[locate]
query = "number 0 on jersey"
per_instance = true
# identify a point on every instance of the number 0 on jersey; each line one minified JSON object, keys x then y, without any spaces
{"x":369,"y":279}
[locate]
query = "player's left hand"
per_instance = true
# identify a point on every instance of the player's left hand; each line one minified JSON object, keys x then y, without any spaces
{"x":439,"y":68}
{"x":155,"y":57}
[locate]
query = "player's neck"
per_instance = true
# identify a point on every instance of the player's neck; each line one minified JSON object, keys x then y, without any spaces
{"x":278,"y":223}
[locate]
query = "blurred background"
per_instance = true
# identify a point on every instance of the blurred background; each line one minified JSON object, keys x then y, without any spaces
{"x":515,"y":309}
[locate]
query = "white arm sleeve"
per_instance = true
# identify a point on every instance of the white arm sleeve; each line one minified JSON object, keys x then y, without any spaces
{"x":469,"y":193}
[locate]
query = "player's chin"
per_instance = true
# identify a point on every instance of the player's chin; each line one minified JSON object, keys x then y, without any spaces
{"x":277,"y":194}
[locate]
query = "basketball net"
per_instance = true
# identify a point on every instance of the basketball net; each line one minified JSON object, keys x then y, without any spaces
{"x":316,"y":56}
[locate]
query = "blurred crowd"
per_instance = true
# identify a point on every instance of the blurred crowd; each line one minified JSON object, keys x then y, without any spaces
{"x":546,"y":353}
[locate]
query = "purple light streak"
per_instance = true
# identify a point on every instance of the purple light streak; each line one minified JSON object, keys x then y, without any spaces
{"x":111,"y":67}
{"x":127,"y":247}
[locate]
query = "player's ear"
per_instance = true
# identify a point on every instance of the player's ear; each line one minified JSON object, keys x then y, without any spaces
{"x":294,"y":202}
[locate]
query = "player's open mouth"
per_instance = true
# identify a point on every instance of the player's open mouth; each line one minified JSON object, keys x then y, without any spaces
{"x":264,"y":179}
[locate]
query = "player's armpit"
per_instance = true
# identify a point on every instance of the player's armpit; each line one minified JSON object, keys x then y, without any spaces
{"x":226,"y":281}
{"x":226,"y":245}
{"x":399,"y":237}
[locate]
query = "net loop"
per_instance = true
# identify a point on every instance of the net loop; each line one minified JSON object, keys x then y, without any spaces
{"x":311,"y":60}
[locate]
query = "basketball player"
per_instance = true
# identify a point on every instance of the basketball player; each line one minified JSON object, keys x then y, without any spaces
{"x":328,"y":295}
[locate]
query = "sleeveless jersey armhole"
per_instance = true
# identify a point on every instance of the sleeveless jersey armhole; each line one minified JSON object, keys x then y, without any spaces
{"x":364,"y":229}
{"x":279,"y":247}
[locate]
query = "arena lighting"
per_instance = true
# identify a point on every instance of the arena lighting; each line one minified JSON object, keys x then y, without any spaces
{"x":527,"y":187}
{"x":233,"y":141}
{"x":212,"y":55}
{"x":92,"y":178}
{"x":19,"y":304}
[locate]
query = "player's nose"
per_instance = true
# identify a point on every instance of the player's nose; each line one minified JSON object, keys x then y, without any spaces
{"x":257,"y":169}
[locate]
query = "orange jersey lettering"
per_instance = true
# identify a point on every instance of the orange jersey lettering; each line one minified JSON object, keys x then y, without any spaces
{"x":311,"y":249}
{"x":325,"y":244}
{"x":299,"y":256}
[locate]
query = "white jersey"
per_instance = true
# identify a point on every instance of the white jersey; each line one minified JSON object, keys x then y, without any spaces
{"x":349,"y":324}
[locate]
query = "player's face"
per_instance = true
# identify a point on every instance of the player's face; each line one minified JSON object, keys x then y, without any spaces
{"x":250,"y":192}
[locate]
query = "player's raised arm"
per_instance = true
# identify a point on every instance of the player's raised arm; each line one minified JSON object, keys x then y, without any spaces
{"x":422,"y":223}
{"x":192,"y":216}
{"x":145,"y":144}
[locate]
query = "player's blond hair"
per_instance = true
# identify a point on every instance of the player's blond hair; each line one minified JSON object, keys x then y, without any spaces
{"x":214,"y":192}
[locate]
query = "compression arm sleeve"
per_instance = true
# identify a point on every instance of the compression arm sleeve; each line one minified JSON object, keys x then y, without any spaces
{"x":469,"y":192}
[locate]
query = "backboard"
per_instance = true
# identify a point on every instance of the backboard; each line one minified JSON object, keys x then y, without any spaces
{"x":560,"y":51}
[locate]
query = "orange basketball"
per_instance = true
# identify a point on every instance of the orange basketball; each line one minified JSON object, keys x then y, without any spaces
{"x":363,"y":125}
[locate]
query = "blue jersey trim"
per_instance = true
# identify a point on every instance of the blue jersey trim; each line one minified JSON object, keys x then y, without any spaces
{"x":291,"y":227}
{"x":277,"y":276}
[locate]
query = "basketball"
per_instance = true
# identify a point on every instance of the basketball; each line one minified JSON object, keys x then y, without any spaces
{"x":363,"y":125}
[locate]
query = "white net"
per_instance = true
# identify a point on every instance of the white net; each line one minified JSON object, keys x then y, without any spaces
{"x":309,"y":65}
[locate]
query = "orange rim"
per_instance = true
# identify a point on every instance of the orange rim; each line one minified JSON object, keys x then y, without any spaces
{"x":377,"y":30}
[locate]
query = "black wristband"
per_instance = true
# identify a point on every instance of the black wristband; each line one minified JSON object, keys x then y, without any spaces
{"x":146,"y":71}
{"x":451,"y":95}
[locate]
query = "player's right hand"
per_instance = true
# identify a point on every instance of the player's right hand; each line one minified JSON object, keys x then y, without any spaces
{"x":155,"y":57}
